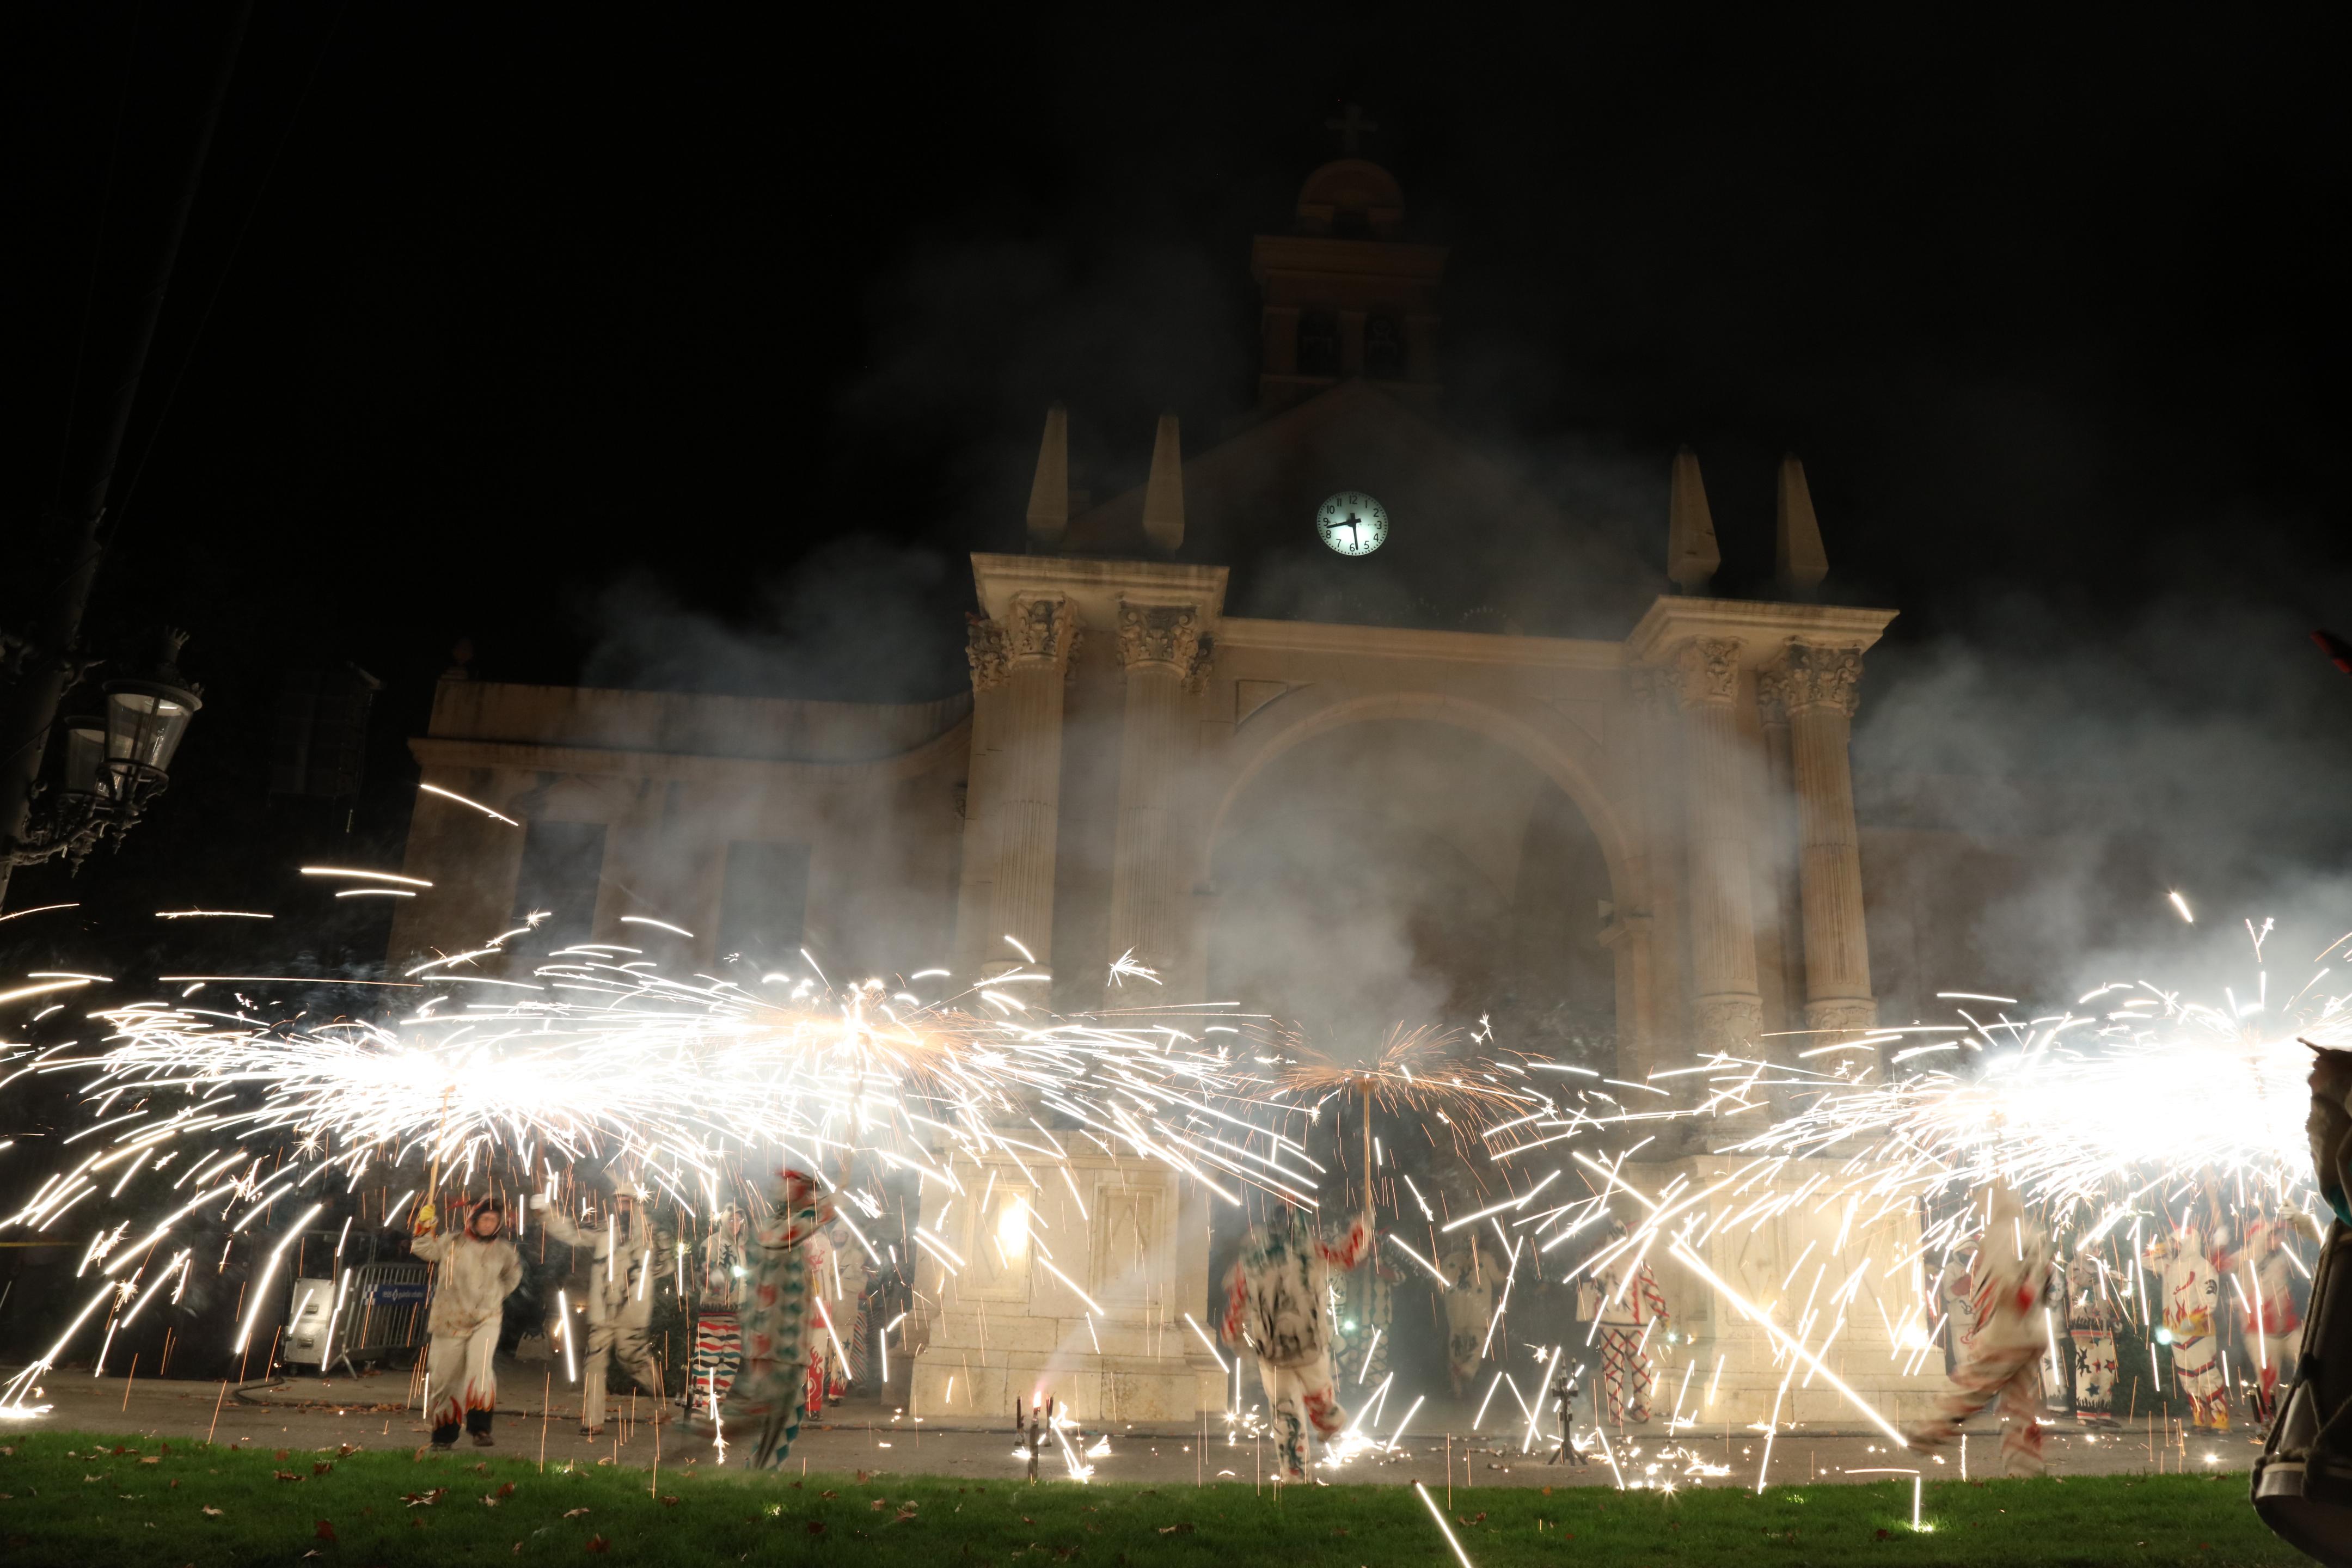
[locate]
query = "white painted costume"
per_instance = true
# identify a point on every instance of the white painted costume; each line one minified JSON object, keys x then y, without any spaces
{"x":2191,"y":1299}
{"x":2009,"y":1334}
{"x":1277,"y":1296}
{"x":620,"y":1302}
{"x":471,"y":1281}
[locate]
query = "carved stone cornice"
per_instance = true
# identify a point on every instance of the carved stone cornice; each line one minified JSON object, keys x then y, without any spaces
{"x":1706,"y":671}
{"x":1166,"y":635}
{"x":1808,"y":677}
{"x":1040,"y":628}
{"x":984,"y":646}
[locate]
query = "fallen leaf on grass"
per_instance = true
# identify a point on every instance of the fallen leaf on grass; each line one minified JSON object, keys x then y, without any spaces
{"x":669,"y":1503}
{"x":878,"y":1504}
{"x":1165,"y":1528}
{"x":326,"y":1531}
{"x":828,"y":1492}
{"x":282,"y":1453}
{"x":321,"y":1467}
{"x":209,"y":1509}
{"x":152,"y":1459}
{"x":285,"y":1475}
{"x":489,"y":1502}
{"x":598,"y":1544}
{"x":574,"y":1512}
{"x":816,"y":1527}
{"x":505,"y":1490}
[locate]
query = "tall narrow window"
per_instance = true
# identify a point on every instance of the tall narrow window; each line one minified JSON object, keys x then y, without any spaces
{"x":1384,"y":347}
{"x":562,"y":864}
{"x":766,"y":901}
{"x":1318,"y":344}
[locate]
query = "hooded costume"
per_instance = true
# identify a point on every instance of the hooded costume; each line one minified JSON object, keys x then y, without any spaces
{"x":1627,"y":1311}
{"x":472,"y":1279}
{"x":619,"y":1299}
{"x":717,"y":1326}
{"x":2272,"y":1336}
{"x":1469,"y":1313}
{"x":779,"y":1323}
{"x":2092,"y":1316}
{"x":2192,"y":1291}
{"x":1277,"y":1297}
{"x":2009,"y":1332}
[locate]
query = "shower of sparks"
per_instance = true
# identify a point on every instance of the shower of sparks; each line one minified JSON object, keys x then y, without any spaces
{"x":2111,"y":1117}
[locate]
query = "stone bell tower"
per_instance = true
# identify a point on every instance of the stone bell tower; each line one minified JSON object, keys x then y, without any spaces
{"x":1344,"y":293}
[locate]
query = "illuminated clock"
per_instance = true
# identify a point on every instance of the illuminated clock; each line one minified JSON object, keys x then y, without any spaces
{"x":1352,"y":523}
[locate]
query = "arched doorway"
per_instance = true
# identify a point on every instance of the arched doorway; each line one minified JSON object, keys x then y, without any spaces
{"x":1404,"y":871}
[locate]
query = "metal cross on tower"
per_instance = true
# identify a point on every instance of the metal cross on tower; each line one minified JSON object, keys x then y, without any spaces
{"x":1352,"y":128}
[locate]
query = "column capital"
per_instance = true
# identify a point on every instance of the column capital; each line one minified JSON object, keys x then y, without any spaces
{"x":1807,"y":677}
{"x":1040,"y":628}
{"x":1771,"y":698}
{"x":984,"y":647}
{"x":1706,"y":671}
{"x":1167,"y":635}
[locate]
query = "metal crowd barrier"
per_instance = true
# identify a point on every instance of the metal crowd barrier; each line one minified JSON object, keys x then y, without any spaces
{"x":381,"y":1310}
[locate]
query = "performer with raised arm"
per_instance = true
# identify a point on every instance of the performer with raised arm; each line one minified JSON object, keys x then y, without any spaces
{"x":2191,"y":1300}
{"x":620,"y":1290}
{"x":779,"y":1323}
{"x":2092,"y":1317}
{"x":717,"y":1323}
{"x":1626,"y":1298}
{"x":476,"y":1269}
{"x":1276,"y":1297}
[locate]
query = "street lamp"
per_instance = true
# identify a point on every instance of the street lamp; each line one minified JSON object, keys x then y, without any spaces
{"x":114,"y":764}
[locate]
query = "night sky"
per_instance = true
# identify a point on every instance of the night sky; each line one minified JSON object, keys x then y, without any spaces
{"x":593,"y":336}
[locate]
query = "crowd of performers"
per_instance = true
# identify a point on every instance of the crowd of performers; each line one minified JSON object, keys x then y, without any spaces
{"x":2221,"y":1301}
{"x":788,"y":1315}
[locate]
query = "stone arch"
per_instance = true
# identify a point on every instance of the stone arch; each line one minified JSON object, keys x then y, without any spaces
{"x":1570,"y":762}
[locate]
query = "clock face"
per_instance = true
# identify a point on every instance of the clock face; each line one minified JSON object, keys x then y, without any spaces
{"x":1352,"y":523}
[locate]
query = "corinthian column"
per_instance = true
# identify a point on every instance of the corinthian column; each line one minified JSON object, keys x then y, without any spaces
{"x":983,"y":803}
{"x":1162,"y":649}
{"x":1819,"y":684}
{"x":1729,"y":1010}
{"x":1039,"y":630}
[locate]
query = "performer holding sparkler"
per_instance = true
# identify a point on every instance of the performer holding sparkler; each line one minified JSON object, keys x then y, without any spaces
{"x":1274,"y":1302}
{"x":2273,"y":1327}
{"x":718,"y":1327}
{"x":620,"y":1303}
{"x":478,"y":1268}
{"x":2011,"y":1332}
{"x":1469,"y":1313}
{"x":2192,"y":1299}
{"x":1629,"y":1309}
{"x":2092,"y":1317}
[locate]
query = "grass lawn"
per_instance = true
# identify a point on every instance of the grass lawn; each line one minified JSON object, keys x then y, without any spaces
{"x":84,"y":1500}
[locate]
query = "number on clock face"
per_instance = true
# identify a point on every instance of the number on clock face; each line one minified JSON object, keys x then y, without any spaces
{"x":1352,"y":523}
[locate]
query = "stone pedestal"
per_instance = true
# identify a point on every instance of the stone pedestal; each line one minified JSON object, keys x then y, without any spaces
{"x":1132,"y":1235}
{"x":1766,"y":1260}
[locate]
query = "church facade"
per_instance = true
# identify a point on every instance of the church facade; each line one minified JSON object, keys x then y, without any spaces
{"x":1288,"y":724}
{"x":1103,"y":793}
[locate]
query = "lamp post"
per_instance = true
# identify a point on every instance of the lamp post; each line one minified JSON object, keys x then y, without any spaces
{"x":40,"y":664}
{"x":113,"y":766}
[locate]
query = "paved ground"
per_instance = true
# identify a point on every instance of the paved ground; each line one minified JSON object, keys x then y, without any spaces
{"x":370,"y":1412}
